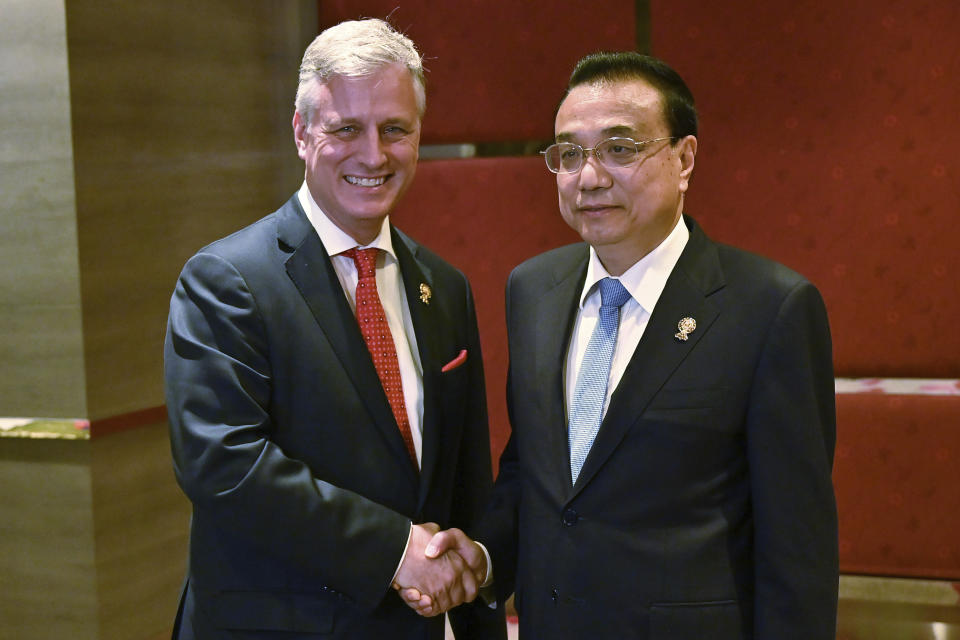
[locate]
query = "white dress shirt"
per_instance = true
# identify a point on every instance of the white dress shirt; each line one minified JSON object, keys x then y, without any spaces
{"x":645,"y":281}
{"x":392,"y":296}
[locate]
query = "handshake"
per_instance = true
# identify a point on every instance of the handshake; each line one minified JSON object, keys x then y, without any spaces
{"x":441,"y":569}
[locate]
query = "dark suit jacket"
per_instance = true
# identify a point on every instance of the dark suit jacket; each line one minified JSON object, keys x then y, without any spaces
{"x":705,"y":509}
{"x":284,"y":441}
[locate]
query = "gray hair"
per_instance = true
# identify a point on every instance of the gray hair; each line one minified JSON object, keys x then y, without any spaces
{"x":357,"y":48}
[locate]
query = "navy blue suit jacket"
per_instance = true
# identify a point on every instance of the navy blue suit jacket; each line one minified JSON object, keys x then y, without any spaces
{"x":705,"y":508}
{"x":284,"y":441}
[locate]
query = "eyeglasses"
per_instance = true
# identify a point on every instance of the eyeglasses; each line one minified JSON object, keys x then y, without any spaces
{"x":613,"y":153}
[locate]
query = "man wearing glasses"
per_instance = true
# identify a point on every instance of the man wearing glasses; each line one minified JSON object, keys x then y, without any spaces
{"x":672,"y":401}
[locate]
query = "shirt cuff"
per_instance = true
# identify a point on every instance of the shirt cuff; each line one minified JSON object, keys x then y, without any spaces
{"x":404,"y":555}
{"x":488,"y":579}
{"x":487,"y":592}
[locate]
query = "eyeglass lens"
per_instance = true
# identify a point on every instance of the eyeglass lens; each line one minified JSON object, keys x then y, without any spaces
{"x":567,"y":157}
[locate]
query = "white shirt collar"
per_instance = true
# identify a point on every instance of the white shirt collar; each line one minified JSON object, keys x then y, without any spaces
{"x":335,"y":240}
{"x":646,"y":279}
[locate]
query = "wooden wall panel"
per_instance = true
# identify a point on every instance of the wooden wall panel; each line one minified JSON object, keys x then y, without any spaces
{"x":93,"y":537}
{"x":181,"y":120}
{"x":47,"y":579}
{"x":140,"y":529}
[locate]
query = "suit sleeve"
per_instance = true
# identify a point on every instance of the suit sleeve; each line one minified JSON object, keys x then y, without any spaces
{"x":791,"y":432}
{"x":218,"y":388}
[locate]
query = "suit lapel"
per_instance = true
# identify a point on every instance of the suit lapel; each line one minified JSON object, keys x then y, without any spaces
{"x":553,"y":335}
{"x":428,"y":327}
{"x":311,"y":270}
{"x":696,"y":276}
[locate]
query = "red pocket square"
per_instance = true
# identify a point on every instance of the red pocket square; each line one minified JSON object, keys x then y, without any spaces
{"x":456,"y":362}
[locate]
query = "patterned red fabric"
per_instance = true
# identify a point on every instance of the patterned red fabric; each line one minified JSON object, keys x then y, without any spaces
{"x":896,"y":479}
{"x":828,"y":142}
{"x":496,"y":70}
{"x":376,"y":333}
{"x":486,"y":216}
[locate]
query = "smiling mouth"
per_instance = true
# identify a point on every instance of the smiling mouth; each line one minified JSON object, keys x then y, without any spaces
{"x":360,"y":181}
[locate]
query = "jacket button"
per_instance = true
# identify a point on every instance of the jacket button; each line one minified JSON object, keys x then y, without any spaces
{"x":555,"y":596}
{"x":570,"y":517}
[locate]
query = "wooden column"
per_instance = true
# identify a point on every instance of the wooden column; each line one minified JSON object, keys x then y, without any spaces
{"x":131,"y":134}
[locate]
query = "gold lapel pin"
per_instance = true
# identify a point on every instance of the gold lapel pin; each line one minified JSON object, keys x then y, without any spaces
{"x":686,"y":327}
{"x":425,"y":293}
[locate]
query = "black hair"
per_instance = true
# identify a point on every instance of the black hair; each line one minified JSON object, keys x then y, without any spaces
{"x":680,"y":111}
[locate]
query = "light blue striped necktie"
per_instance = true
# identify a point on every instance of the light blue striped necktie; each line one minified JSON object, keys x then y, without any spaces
{"x":586,"y":410}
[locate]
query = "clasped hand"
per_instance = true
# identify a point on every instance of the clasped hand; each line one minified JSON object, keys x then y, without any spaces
{"x":441,"y":569}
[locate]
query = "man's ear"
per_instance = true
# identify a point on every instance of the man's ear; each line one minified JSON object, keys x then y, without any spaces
{"x":300,"y":134}
{"x":687,"y":155}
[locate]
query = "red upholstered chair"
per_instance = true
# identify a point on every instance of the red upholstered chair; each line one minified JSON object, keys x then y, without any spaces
{"x":896,"y":480}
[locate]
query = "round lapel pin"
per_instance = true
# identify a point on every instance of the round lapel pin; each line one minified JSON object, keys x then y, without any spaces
{"x":686,"y":327}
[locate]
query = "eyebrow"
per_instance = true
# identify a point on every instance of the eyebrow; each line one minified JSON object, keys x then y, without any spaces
{"x":609,"y":132}
{"x":338,"y":122}
{"x":331,"y":124}
{"x":401,"y":121}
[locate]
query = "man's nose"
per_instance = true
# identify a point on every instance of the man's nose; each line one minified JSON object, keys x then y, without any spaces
{"x":593,"y":175}
{"x":371,"y":149}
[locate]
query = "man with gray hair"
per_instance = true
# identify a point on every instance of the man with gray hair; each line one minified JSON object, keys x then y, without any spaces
{"x":325,"y":385}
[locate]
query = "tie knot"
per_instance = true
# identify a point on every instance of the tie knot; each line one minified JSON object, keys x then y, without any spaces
{"x":613,"y":293}
{"x":365,"y":261}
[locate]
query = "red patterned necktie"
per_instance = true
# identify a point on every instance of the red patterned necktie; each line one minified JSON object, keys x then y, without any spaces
{"x":376,"y":333}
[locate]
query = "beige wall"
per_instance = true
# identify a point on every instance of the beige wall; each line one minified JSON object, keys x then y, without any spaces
{"x":41,"y":343}
{"x":131,"y":134}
